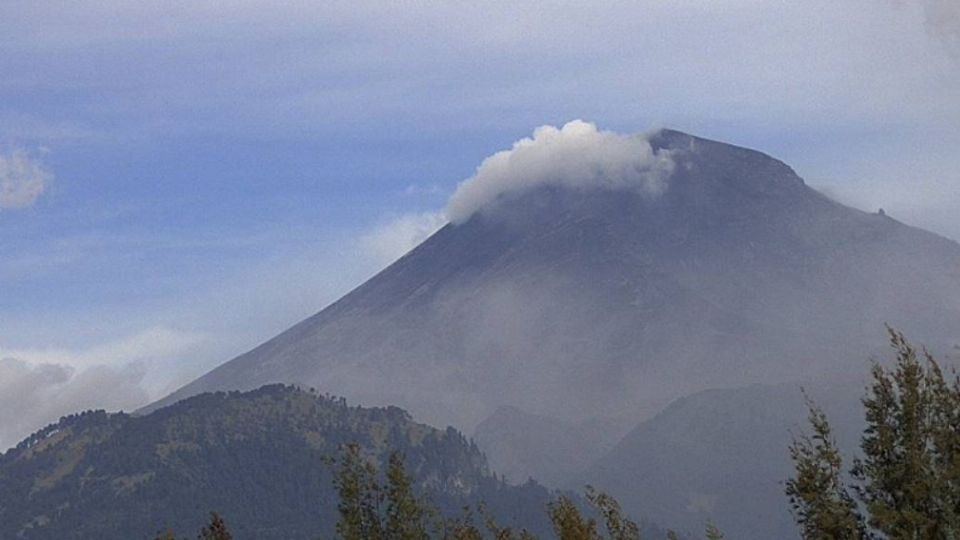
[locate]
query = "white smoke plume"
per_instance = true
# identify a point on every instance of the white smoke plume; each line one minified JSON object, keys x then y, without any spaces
{"x":578,"y":155}
{"x":22,"y":180}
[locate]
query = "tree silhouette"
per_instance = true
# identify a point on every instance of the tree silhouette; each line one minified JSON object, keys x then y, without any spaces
{"x":216,"y":529}
{"x":908,"y":480}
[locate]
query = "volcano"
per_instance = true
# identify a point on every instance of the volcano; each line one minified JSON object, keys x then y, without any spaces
{"x":583,"y":302}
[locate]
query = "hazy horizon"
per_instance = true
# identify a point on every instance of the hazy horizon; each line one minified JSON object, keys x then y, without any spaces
{"x":181,"y":183}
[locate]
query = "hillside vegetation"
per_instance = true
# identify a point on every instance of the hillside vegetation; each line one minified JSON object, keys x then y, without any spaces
{"x":260,"y":458}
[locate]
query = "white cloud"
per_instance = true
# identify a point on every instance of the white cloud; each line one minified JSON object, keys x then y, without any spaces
{"x":148,"y":345}
{"x":34,"y":395}
{"x":577,"y":155}
{"x":22,"y":180}
{"x":38,"y":385}
{"x":392,"y":240}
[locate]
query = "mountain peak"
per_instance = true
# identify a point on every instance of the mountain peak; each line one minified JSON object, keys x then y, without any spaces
{"x":584,"y":161}
{"x":695,"y":180}
{"x":580,"y":300}
{"x":712,"y":153}
{"x":577,"y":156}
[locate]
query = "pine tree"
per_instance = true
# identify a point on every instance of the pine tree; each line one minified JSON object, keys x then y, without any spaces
{"x":360,"y":497}
{"x":569,"y":523}
{"x":498,"y":532}
{"x":216,"y":529}
{"x":406,"y":515}
{"x":908,"y":480}
{"x":898,"y":476}
{"x":462,"y":528}
{"x":619,"y":527}
{"x":820,"y":503}
{"x":946,"y":443}
{"x":713,"y":533}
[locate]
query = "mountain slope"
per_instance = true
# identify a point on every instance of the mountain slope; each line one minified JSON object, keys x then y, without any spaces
{"x":721,"y":455}
{"x":590,"y":302}
{"x":545,"y":448}
{"x":258,"y":458}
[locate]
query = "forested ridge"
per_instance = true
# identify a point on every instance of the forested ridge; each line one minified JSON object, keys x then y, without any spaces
{"x":260,"y":458}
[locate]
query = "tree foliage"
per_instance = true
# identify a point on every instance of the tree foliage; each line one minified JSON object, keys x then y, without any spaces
{"x":216,"y":529}
{"x":569,"y":523}
{"x":259,"y":458}
{"x":360,"y":497}
{"x":907,"y":482}
{"x":406,"y":514}
{"x":619,"y":527}
{"x":819,"y":499}
{"x":390,"y":509}
{"x":371,"y":509}
{"x":713,"y":533}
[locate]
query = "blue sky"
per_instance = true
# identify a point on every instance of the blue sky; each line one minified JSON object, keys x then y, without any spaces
{"x":212,"y":172}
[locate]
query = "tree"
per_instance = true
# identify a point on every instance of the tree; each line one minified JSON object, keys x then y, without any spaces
{"x":216,"y":529}
{"x":897,"y":475}
{"x":373,"y":510}
{"x":406,"y":515}
{"x":360,"y":496}
{"x":569,"y":523}
{"x":818,"y":498}
{"x":370,"y":509}
{"x":465,"y":527}
{"x":462,"y":528}
{"x":713,"y":532}
{"x":908,"y":479}
{"x":946,"y":444}
{"x":619,"y":527}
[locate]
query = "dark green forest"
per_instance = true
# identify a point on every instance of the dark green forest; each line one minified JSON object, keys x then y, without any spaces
{"x":260,"y":458}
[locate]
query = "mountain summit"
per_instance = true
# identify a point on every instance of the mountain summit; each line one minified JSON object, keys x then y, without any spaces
{"x":697,"y":264}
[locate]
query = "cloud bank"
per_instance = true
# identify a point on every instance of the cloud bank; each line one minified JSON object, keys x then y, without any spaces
{"x":34,"y":395}
{"x":22,"y":180}
{"x":578,"y":155}
{"x":38,"y":386}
